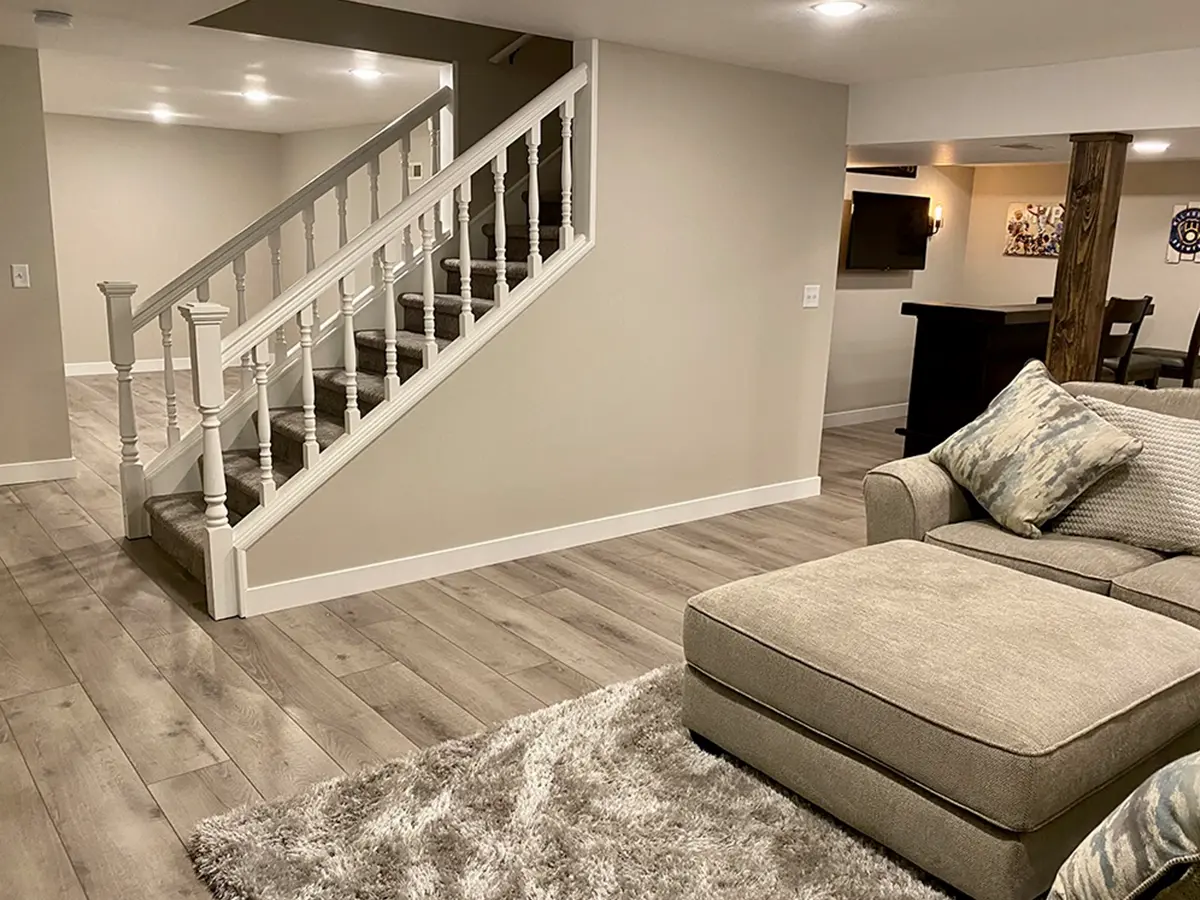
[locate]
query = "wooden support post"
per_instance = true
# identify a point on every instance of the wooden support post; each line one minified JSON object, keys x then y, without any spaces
{"x":1081,"y":288}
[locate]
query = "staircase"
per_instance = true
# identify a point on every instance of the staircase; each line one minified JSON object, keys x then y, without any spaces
{"x":307,"y":408}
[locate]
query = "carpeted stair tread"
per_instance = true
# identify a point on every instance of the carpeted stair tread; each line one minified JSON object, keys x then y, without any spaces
{"x":177,"y":526}
{"x":408,"y":343}
{"x":521,"y":229}
{"x":515,"y":270}
{"x":446,"y":303}
{"x":243,"y":479}
{"x":370,"y":387}
{"x":289,"y":424}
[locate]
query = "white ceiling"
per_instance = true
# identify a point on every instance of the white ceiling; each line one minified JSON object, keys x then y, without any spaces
{"x":891,"y":39}
{"x":112,"y":68}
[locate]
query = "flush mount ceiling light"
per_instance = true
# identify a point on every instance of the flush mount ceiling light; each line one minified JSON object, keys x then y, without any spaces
{"x":256,"y":95}
{"x":363,"y":73}
{"x":839,"y":9}
{"x":52,"y":18}
{"x":1151,"y":147}
{"x":163,"y":115}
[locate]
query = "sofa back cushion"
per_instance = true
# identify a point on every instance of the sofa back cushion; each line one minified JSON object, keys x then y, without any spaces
{"x":1181,"y":402}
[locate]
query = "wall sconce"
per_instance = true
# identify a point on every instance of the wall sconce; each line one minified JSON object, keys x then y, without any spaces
{"x":936,"y":220}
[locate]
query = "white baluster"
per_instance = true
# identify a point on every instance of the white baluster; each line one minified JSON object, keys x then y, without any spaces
{"x":266,"y":466}
{"x":165,"y":325}
{"x":430,"y":350}
{"x":533,"y":141}
{"x":466,"y":317}
{"x":435,"y":166}
{"x":391,"y":377}
{"x":406,"y":190}
{"x":350,"y":353}
{"x":342,"y":192}
{"x":499,"y":170}
{"x":118,"y":296}
{"x":308,"y":387}
{"x":239,"y":285}
{"x":209,"y":391}
{"x":373,"y":176}
{"x":274,"y":245}
{"x":567,"y":231}
{"x":309,"y":216}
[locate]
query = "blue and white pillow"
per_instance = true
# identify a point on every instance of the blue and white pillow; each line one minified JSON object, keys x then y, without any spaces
{"x":1148,"y":842}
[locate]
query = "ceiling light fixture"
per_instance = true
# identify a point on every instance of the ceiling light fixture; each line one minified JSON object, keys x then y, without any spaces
{"x":163,"y":115}
{"x":365,"y":74}
{"x":1151,"y":147}
{"x":256,"y":95}
{"x":839,"y":9}
{"x":52,"y":18}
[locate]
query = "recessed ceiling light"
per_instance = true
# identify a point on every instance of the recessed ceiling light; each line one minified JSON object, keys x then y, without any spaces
{"x":839,"y":9}
{"x":164,"y":115}
{"x":1151,"y":147}
{"x":364,"y":74}
{"x":256,"y":95}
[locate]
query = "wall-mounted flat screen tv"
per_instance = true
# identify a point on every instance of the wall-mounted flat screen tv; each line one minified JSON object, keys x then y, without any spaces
{"x":888,"y":232}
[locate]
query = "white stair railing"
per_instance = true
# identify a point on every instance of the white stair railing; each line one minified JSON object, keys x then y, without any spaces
{"x":124,"y":322}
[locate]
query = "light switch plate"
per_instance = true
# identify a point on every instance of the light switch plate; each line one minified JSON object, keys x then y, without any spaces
{"x":812,"y":296}
{"x":20,"y":275}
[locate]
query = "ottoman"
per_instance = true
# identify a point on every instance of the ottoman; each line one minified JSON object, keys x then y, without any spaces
{"x":976,"y":720}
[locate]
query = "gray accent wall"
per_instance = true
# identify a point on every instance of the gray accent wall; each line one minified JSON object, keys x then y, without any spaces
{"x":673,"y":363}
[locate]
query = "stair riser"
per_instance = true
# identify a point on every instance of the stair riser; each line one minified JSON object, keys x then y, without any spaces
{"x":285,"y":447}
{"x":518,"y":247}
{"x":481,"y":285}
{"x":332,"y":400}
{"x":445,"y":324}
{"x":239,"y":499}
{"x":189,"y":558}
{"x":372,"y":360}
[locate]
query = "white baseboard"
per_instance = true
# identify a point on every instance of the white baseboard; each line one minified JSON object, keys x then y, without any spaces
{"x":37,"y":470}
{"x":332,"y":585}
{"x":79,"y":370}
{"x":864,"y":416}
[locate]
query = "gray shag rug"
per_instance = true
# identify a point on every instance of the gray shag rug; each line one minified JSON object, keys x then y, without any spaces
{"x":605,"y":798}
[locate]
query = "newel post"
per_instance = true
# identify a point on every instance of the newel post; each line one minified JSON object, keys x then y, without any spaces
{"x":119,"y":297}
{"x":204,"y":324}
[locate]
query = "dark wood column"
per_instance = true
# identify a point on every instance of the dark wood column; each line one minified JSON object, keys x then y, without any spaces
{"x":1081,"y":289}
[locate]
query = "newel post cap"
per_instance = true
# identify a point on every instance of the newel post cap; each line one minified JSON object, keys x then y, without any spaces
{"x":117,"y":288}
{"x":200,"y":314}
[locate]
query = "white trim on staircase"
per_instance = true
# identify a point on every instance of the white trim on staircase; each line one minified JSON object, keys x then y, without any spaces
{"x":79,"y":370}
{"x":37,"y":470}
{"x":261,"y":599}
{"x":865,"y":416}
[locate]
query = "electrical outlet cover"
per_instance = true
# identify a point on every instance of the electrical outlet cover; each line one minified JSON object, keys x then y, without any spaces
{"x":812,"y":296}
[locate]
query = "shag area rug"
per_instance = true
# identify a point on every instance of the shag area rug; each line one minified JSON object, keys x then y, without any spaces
{"x":604,"y":798}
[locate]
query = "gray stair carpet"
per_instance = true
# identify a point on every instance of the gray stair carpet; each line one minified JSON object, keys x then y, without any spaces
{"x":177,"y":520}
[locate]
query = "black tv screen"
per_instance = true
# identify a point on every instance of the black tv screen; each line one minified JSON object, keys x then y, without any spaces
{"x":888,"y":232}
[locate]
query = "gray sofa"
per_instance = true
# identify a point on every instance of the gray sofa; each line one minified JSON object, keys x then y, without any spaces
{"x":915,"y":499}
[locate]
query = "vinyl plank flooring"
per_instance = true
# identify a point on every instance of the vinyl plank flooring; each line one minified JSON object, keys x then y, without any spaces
{"x":707,"y":558}
{"x":661,"y":618}
{"x":272,"y":751}
{"x":412,"y":705}
{"x":345,"y":727}
{"x":518,"y":579}
{"x":588,"y":656}
{"x":553,"y":682}
{"x":478,"y":635}
{"x":634,"y":574}
{"x":186,"y":799}
{"x":51,"y":506}
{"x":337,"y":646}
{"x":133,"y":597}
{"x":361,"y":610}
{"x":484,"y":693}
{"x":155,"y":728}
{"x":622,"y":634}
{"x":713,"y":534}
{"x":34,"y":560}
{"x":32,"y":858}
{"x":113,"y":831}
{"x":29,"y":661}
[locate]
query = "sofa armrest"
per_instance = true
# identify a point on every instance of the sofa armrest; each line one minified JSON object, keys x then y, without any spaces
{"x":909,"y":498}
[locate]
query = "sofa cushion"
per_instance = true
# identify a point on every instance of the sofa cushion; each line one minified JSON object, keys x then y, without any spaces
{"x":1171,"y":588}
{"x":1084,"y":563}
{"x":1155,"y":500}
{"x":1032,"y":452}
{"x":964,"y":677}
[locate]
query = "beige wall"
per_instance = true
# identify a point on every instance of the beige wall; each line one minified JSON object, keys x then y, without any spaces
{"x":32,"y":388}
{"x":142,"y":202}
{"x":871,"y":351}
{"x":669,"y":365}
{"x":1151,"y":193}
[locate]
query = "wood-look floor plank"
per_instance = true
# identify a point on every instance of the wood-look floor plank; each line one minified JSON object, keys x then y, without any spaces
{"x":633,"y":574}
{"x":707,"y":558}
{"x":5,"y":733}
{"x":29,"y":661}
{"x":345,"y":727}
{"x":518,"y":579}
{"x":361,"y":610}
{"x":478,"y":635}
{"x":622,"y":634}
{"x":553,"y":682}
{"x":113,"y":831}
{"x":33,"y":862}
{"x":155,"y":728}
{"x":34,"y":560}
{"x":661,"y":618}
{"x":133,"y":597}
{"x":52,"y":507}
{"x":330,"y":641}
{"x":588,"y":656}
{"x":713,"y":534}
{"x":484,"y":693}
{"x":269,"y":747}
{"x":186,"y":799}
{"x":412,"y":705}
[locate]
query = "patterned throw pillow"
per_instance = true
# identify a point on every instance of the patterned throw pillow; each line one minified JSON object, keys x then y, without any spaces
{"x":1152,"y":840}
{"x":1154,"y":502}
{"x":1033,"y":452}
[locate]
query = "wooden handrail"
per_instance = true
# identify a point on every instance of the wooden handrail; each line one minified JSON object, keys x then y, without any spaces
{"x":289,"y":208}
{"x":281,"y":311}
